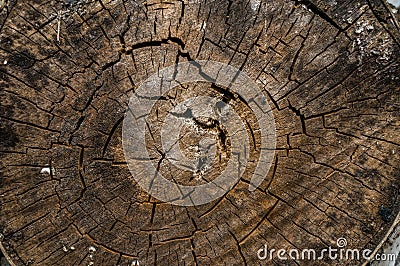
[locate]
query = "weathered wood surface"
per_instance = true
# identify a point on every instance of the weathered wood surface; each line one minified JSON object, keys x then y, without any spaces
{"x":330,"y":70}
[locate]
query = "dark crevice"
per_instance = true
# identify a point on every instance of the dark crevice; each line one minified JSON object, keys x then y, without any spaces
{"x":111,"y":64}
{"x":111,"y":134}
{"x":193,"y":252}
{"x":169,"y":40}
{"x":299,"y":114}
{"x":78,"y":125}
{"x":215,"y":125}
{"x":227,"y":95}
{"x":316,"y":10}
{"x":80,"y":170}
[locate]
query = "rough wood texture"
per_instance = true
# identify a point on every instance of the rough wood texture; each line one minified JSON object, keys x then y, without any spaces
{"x":329,"y":68}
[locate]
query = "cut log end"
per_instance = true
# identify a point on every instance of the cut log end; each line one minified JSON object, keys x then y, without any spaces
{"x":329,"y":70}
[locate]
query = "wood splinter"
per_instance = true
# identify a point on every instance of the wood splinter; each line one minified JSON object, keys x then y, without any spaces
{"x":58,"y":26}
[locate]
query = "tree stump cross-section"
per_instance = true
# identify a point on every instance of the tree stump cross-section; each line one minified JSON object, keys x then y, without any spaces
{"x":328,"y":69}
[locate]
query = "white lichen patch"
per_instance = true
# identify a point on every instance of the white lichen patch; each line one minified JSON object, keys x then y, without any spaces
{"x":47,"y":170}
{"x":75,"y":6}
{"x":203,"y":25}
{"x":91,"y":256}
{"x":370,"y":45}
{"x":306,"y":8}
{"x":255,"y":4}
{"x":135,"y":263}
{"x":362,"y":26}
{"x":332,"y":3}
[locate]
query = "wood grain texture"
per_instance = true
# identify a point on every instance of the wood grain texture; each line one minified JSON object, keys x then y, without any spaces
{"x":330,"y":70}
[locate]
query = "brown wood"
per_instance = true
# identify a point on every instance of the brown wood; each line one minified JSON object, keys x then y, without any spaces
{"x":330,"y":69}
